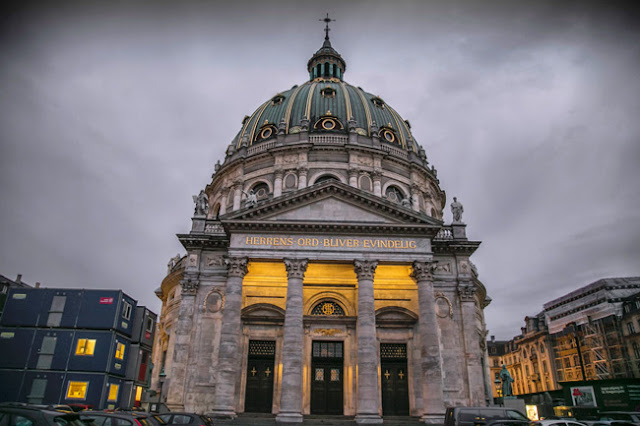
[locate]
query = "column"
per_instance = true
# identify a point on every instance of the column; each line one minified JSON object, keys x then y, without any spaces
{"x":302,"y":177}
{"x":472,"y":348}
{"x":223,"y":201}
{"x":228,"y":358}
{"x":291,"y":390}
{"x":178,"y":377}
{"x":353,"y":177}
{"x":368,"y":410}
{"x":277,"y":183}
{"x":237,"y":196}
{"x":431,"y":362}
{"x":376,"y":175}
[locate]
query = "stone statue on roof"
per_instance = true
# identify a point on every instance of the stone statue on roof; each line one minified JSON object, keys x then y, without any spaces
{"x":202,"y":203}
{"x":456,"y":209}
{"x":251,"y":200}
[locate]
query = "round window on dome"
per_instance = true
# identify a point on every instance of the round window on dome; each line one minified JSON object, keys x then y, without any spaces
{"x":388,"y":135}
{"x":328,"y":124}
{"x":277,"y":100}
{"x":266,"y":133}
{"x":261,"y":190}
{"x":394,"y":194}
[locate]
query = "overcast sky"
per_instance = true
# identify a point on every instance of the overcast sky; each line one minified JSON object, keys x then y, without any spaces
{"x":113,"y":114}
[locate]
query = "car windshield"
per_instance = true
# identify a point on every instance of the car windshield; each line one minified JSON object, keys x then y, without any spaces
{"x":68,"y":420}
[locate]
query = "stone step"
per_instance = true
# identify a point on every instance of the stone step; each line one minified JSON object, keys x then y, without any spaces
{"x":312,"y":420}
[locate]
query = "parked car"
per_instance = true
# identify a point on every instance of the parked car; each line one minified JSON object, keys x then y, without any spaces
{"x":627,"y":416}
{"x":508,"y":422}
{"x":557,"y":422}
{"x":27,"y":415}
{"x":103,"y":418}
{"x":607,"y":422}
{"x":177,"y":419}
{"x":471,"y":416}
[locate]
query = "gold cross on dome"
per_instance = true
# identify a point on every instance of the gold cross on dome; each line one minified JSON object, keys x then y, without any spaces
{"x":387,"y":374}
{"x":267,"y":372}
{"x":253,"y":372}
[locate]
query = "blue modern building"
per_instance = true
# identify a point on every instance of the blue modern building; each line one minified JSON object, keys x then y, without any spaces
{"x":74,"y":346}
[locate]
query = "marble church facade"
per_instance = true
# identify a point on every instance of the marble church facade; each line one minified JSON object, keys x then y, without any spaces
{"x":319,"y":277}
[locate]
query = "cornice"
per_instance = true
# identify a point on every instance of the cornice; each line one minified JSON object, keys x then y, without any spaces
{"x":202,"y":241}
{"x":455,"y":246}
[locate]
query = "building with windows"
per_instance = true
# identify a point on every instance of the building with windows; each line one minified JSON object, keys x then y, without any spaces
{"x":319,"y":277}
{"x":5,"y":284}
{"x":588,"y":334}
{"x":66,"y":346}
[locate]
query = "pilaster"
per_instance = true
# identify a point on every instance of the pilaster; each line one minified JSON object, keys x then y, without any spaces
{"x":368,"y":410}
{"x":228,"y":359}
{"x":473,"y":350}
{"x":291,"y":388}
{"x":431,"y":359}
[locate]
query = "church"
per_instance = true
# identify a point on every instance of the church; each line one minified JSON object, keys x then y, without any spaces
{"x":319,"y":276}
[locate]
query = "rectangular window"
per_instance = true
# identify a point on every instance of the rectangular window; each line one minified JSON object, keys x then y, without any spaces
{"x":47,"y":350}
{"x":149,"y":326}
{"x":77,"y":390}
{"x":86,"y":347}
{"x":636,"y":350}
{"x":126,"y":311}
{"x":638,"y":304}
{"x":56,"y":311}
{"x":119,"y":350}
{"x":630,"y":328}
{"x":113,"y":392}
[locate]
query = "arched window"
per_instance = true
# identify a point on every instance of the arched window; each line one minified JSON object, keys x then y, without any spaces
{"x":394,"y":194}
{"x":327,"y":308}
{"x":261,"y":190}
{"x":326,"y":178}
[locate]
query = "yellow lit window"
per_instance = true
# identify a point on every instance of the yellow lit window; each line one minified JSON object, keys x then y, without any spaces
{"x":138,"y":393}
{"x":120,"y":350}
{"x":85,"y":346}
{"x":77,"y":390}
{"x":113,"y":392}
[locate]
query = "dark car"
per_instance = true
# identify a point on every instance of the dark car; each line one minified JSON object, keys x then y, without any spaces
{"x":507,"y":422}
{"x":25,"y":415}
{"x":191,"y":419}
{"x":103,"y":418}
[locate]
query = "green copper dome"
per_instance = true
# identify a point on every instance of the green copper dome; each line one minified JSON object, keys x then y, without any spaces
{"x":325,"y":104}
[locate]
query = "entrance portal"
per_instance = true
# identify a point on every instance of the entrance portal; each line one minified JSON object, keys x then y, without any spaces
{"x":259,"y":393}
{"x":326,"y":378}
{"x":395,"y":388}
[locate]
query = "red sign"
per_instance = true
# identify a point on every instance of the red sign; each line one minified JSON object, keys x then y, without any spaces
{"x":106,"y":300}
{"x":147,"y":335}
{"x":576,"y":392}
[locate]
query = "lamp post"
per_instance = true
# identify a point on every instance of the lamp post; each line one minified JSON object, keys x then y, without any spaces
{"x":498,"y":384}
{"x":161,"y":377}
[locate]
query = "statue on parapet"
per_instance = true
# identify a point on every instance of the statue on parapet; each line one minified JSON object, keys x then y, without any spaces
{"x":457,"y":209}
{"x":507,"y":380}
{"x":202,"y":204}
{"x":251,"y":200}
{"x":173,"y":262}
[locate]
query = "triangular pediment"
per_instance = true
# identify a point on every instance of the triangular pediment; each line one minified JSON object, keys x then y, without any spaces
{"x":330,"y":203}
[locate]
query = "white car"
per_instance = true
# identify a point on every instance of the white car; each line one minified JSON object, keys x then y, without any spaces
{"x":557,"y":422}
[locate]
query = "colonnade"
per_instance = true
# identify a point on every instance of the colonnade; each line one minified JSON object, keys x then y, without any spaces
{"x":368,"y":402}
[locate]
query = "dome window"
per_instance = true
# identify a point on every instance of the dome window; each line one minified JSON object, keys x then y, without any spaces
{"x":388,"y":134}
{"x":328,"y":92}
{"x":378,"y":102}
{"x":261,"y":190}
{"x":394,"y":194}
{"x":267,"y":131}
{"x":277,"y":100}
{"x":328,"y":122}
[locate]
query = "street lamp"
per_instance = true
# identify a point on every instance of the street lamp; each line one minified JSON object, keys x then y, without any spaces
{"x":161,"y":378}
{"x":498,"y":384}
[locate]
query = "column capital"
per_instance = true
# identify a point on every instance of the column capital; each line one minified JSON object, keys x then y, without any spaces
{"x":302,"y":171}
{"x":295,"y":267}
{"x":278,"y":172}
{"x":423,"y":271}
{"x":467,"y":292}
{"x":236,"y":266}
{"x":365,"y":269}
{"x":189,"y":286}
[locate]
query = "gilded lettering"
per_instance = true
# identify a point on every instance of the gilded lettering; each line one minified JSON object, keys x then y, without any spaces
{"x":412,"y":244}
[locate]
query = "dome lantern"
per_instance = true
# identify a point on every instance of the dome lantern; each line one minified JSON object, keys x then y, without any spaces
{"x":326,"y":62}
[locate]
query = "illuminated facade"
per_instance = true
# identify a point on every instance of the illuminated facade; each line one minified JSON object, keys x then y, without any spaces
{"x":319,"y":277}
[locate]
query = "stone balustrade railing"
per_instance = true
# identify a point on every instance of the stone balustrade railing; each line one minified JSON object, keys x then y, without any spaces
{"x":328,"y":139}
{"x":445,"y":233}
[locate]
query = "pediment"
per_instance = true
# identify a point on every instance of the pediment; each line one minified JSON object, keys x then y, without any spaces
{"x":330,"y":203}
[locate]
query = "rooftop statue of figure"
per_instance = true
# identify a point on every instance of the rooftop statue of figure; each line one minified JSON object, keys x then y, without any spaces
{"x":456,"y":209}
{"x":202,"y":204}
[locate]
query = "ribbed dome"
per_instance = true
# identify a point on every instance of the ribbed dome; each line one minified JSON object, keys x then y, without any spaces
{"x":326,"y":105}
